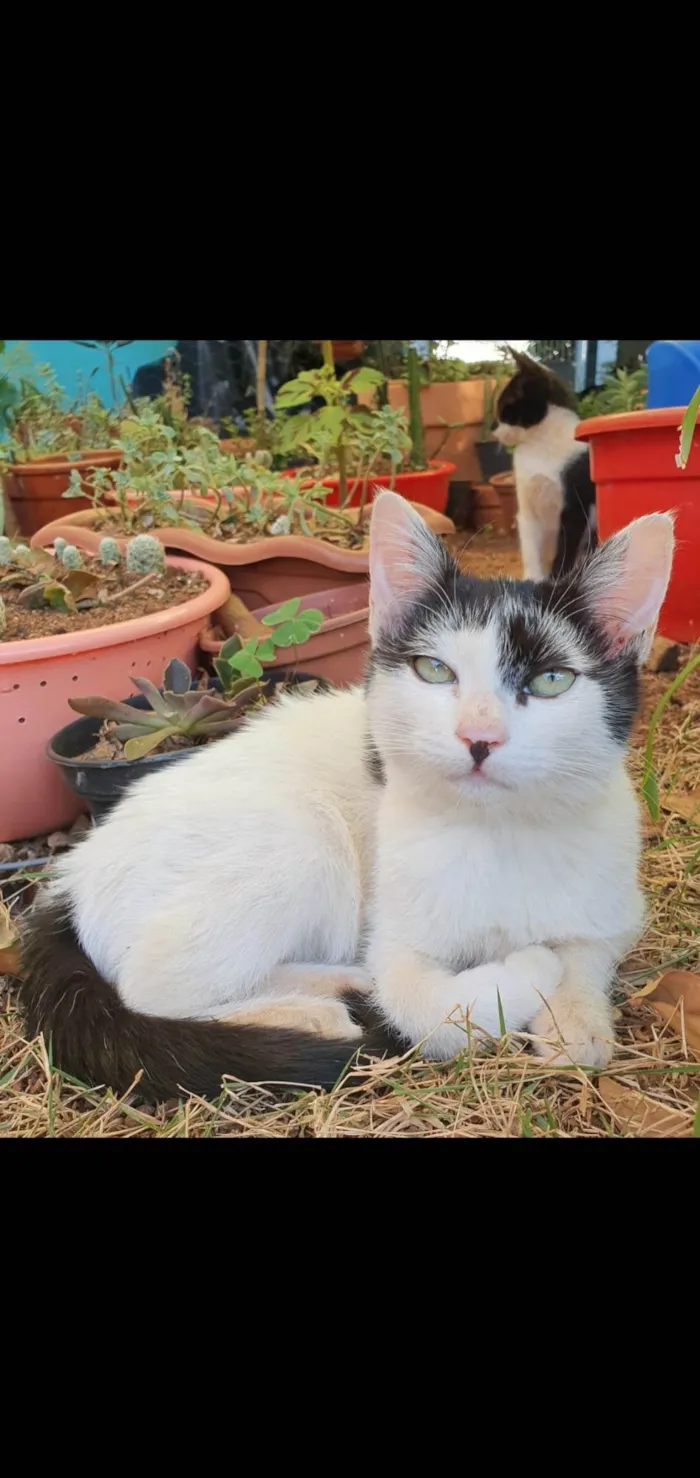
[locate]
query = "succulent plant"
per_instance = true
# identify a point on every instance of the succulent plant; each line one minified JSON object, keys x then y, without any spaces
{"x":144,"y":555}
{"x":22,"y":554}
{"x":5,"y":551}
{"x":109,"y":552}
{"x":59,"y":545}
{"x":71,"y":558}
{"x":178,"y":710}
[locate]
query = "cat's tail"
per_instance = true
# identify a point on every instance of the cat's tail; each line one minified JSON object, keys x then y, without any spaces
{"x":96,"y":1038}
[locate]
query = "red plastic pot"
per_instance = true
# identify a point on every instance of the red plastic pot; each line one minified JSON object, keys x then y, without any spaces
{"x":634,"y":469}
{"x":431,"y":488}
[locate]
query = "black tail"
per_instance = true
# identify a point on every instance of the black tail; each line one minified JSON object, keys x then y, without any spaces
{"x":97,"y":1039}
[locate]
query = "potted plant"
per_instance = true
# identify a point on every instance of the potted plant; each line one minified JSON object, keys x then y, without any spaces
{"x":638,"y":468}
{"x":356,"y":447}
{"x":337,"y":649}
{"x":275,"y":535}
{"x":115,"y":742}
{"x":46,"y":439}
{"x":62,"y":613}
{"x":456,"y":402}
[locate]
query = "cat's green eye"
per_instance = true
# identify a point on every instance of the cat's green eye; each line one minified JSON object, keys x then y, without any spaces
{"x":550,"y":684}
{"x":433,"y":671}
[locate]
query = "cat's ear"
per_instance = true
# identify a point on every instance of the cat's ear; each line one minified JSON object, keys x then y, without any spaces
{"x":405,"y":559}
{"x":524,"y":362}
{"x":625,"y":582}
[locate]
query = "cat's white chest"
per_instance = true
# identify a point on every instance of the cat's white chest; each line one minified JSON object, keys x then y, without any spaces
{"x":474,"y":893}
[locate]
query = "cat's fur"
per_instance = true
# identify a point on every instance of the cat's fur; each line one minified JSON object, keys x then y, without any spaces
{"x":442,"y":848}
{"x":536,"y":415}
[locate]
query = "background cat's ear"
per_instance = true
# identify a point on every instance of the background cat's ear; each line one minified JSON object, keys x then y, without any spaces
{"x":405,"y":559}
{"x":524,"y":362}
{"x":625,"y":582}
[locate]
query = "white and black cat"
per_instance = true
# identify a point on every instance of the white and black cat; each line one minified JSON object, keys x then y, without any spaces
{"x":459,"y":835}
{"x":536,"y":414}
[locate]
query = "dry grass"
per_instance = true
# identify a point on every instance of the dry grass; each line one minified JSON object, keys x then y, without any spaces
{"x":508,"y":1093}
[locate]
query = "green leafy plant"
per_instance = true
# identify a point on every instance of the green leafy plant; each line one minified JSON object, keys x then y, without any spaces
{"x":108,"y":347}
{"x":622,"y":390}
{"x":179,"y":711}
{"x":46,"y":581}
{"x":289,"y":627}
{"x":687,"y":430}
{"x":327,"y":433}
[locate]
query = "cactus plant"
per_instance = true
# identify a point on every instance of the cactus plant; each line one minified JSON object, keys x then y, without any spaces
{"x":71,"y":558}
{"x":5,"y":551}
{"x":59,"y":545}
{"x":109,"y":552}
{"x":144,"y":555}
{"x":22,"y":554}
{"x":177,"y":710}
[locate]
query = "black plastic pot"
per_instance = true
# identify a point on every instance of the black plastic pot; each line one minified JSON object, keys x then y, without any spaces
{"x":493,"y":458}
{"x":101,"y":783}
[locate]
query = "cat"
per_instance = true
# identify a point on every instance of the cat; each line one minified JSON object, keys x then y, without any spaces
{"x":457,"y":835}
{"x":536,"y":415}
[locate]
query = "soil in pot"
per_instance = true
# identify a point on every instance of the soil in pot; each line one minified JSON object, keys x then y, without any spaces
{"x":113,"y":596}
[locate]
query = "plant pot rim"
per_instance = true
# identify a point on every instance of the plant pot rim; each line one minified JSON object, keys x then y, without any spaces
{"x":52,"y":465}
{"x":358,"y":613}
{"x":664,"y":416}
{"x":71,"y":643}
{"x":429,"y":471}
{"x":202,"y":545}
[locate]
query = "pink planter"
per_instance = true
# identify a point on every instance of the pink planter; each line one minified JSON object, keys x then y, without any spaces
{"x":37,"y":677}
{"x":338,"y":651}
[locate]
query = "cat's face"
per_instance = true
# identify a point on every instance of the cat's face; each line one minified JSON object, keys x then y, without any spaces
{"x":508,"y":692}
{"x":525,"y":400}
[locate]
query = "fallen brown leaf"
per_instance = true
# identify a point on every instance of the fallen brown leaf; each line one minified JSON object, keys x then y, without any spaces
{"x":642,"y":1116}
{"x":666,"y":995}
{"x":685,"y":804}
{"x":8,"y":928}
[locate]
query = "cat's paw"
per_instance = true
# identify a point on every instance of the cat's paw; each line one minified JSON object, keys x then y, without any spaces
{"x":537,"y":967}
{"x":573,"y":1030}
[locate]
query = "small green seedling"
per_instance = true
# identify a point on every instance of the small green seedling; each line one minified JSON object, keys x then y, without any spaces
{"x":289,"y":627}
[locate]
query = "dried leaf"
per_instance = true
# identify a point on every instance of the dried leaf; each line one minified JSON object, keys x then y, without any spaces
{"x":8,"y":929}
{"x":683,"y":804}
{"x":642,"y":1116}
{"x":669,"y":991}
{"x":10,"y":962}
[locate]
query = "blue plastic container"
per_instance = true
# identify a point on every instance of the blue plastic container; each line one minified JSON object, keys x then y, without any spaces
{"x":674,"y":372}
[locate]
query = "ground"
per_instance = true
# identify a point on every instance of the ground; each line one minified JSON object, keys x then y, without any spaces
{"x":651,"y":1088}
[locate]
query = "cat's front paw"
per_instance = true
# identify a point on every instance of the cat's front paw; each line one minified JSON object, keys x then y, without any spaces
{"x":537,"y":967}
{"x":574,"y":1030}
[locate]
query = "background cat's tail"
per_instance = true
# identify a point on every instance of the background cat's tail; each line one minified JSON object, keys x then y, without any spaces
{"x":97,"y":1039}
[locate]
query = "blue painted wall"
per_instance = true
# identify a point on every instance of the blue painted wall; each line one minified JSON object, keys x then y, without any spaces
{"x":70,"y":361}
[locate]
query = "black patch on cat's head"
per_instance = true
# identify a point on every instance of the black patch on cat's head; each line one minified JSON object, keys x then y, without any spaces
{"x":525,"y":400}
{"x":530,"y":641}
{"x":530,"y":644}
{"x":373,"y":762}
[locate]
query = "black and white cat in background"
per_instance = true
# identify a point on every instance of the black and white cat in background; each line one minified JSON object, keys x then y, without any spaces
{"x":536,"y":414}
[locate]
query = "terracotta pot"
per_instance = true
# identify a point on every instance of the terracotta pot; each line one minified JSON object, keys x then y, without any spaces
{"x":338,"y":651}
{"x":633,"y":465}
{"x":264,"y":572}
{"x":456,"y":400}
{"x":36,"y":488}
{"x":430,"y":489}
{"x":344,"y":349}
{"x":38,"y":676}
{"x":504,"y":483}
